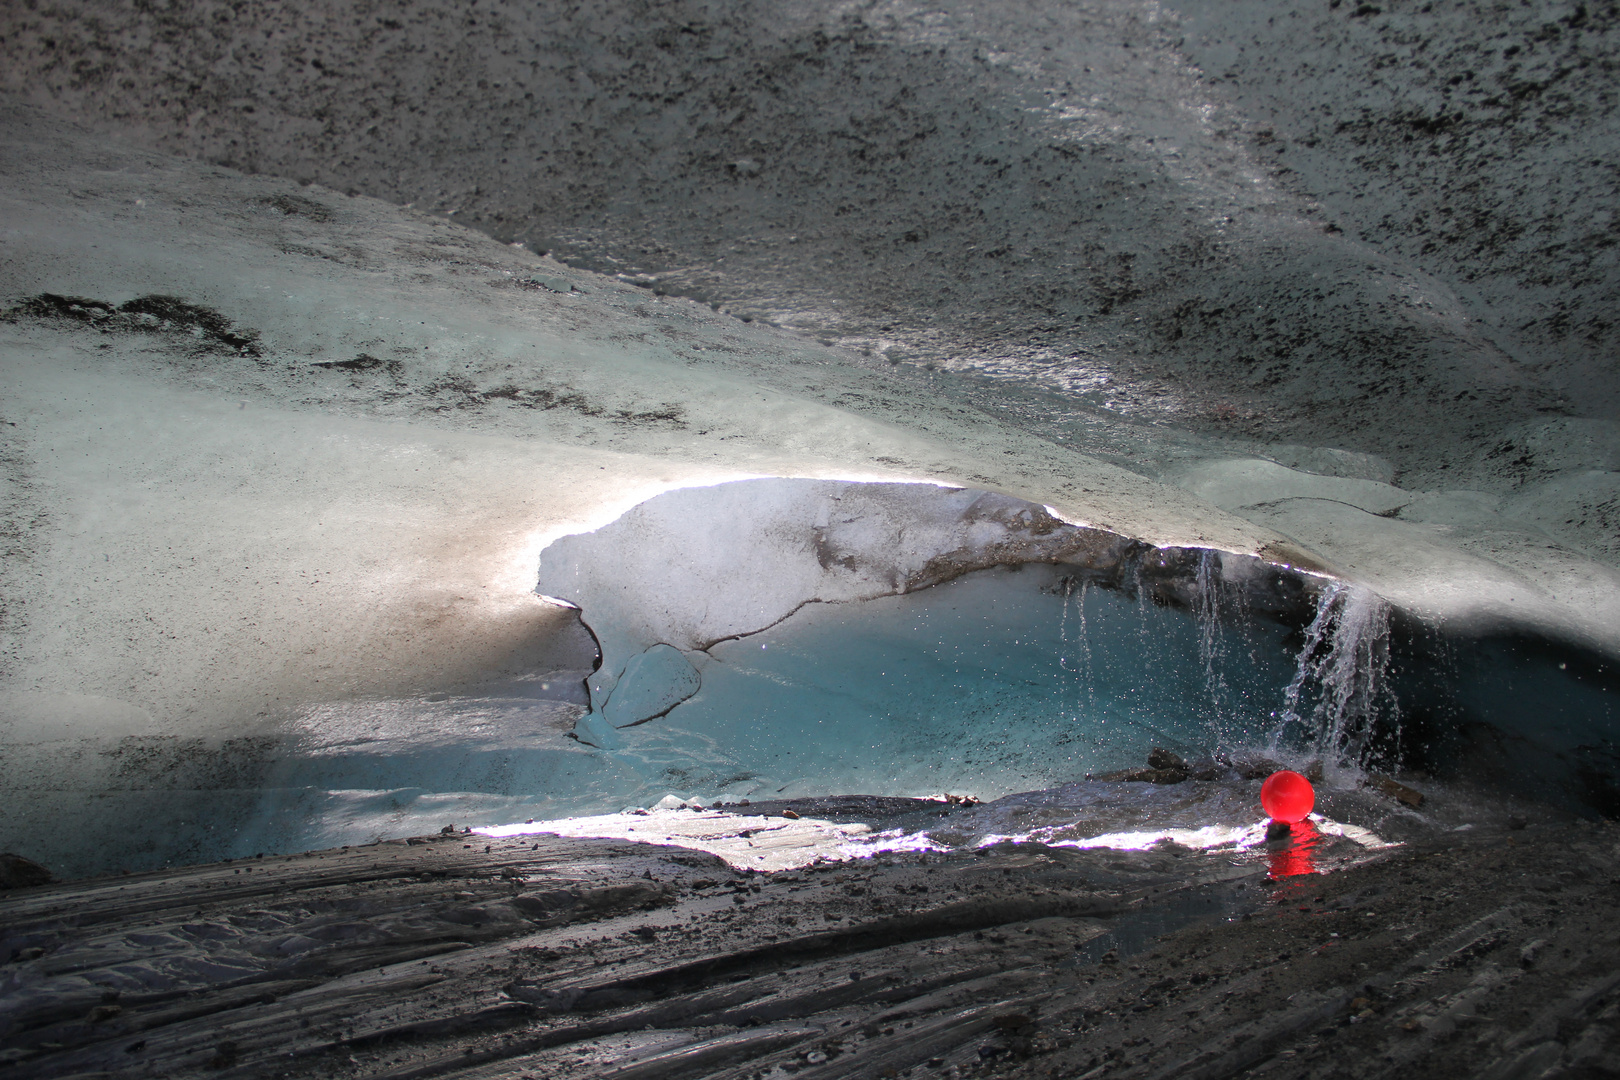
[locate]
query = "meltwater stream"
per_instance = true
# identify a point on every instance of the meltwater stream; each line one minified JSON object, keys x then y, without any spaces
{"x":1345,"y":660}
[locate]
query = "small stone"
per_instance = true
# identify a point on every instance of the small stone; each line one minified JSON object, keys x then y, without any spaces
{"x":1255,"y":768}
{"x":1397,"y":791}
{"x":790,"y":814}
{"x":17,"y":872}
{"x":1160,"y":758}
{"x":1012,"y":1021}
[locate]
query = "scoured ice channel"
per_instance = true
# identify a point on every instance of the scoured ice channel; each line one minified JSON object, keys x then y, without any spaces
{"x":282,"y":597}
{"x":765,"y":642}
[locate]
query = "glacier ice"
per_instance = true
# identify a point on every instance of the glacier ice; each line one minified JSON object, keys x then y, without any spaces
{"x":273,"y":602}
{"x":1002,"y":680}
{"x":907,"y":638}
{"x":652,"y":683}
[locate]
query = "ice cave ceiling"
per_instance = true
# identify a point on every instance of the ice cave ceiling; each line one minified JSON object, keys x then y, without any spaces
{"x":323,"y":320}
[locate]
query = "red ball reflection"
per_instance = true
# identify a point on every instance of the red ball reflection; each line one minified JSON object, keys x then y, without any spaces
{"x":1287,"y":796}
{"x":1298,"y":855}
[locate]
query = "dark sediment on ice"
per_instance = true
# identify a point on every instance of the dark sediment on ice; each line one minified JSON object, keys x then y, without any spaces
{"x":1481,"y":953}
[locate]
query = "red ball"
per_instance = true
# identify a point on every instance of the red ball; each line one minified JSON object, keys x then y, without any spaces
{"x":1287,"y":796}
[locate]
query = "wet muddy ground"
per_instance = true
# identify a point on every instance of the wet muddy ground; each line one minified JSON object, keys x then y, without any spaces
{"x":1481,"y":953}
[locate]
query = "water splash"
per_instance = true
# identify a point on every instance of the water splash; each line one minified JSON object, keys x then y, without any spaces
{"x":1340,"y":696}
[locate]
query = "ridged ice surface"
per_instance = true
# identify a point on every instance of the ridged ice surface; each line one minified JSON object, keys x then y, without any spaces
{"x":1312,"y":285}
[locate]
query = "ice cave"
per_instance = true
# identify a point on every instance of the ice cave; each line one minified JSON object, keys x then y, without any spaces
{"x":805,"y":437}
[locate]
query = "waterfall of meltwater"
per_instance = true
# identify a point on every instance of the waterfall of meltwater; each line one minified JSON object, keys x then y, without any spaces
{"x":1237,"y":687}
{"x":1340,"y":694}
{"x":1075,"y":656}
{"x":1211,"y":633}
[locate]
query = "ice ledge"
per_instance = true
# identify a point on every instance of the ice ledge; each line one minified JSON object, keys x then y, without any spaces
{"x":693,"y":567}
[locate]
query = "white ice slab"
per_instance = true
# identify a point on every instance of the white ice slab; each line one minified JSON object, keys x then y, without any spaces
{"x":752,"y":842}
{"x":747,"y":842}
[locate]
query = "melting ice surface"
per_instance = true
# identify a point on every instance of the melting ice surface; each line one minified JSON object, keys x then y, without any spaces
{"x":1003,"y":680}
{"x":807,"y":639}
{"x":801,"y":667}
{"x":1000,"y":681}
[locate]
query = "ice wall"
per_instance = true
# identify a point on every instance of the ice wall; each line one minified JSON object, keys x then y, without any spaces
{"x":282,"y":596}
{"x":692,"y":583}
{"x":1267,"y":222}
{"x":1185,"y":239}
{"x":697,"y":566}
{"x":811,"y":637}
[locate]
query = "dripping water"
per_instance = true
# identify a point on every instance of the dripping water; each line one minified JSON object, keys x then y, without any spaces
{"x":1340,"y":697}
{"x":1227,"y":652}
{"x":1211,"y":633}
{"x":1075,"y":593}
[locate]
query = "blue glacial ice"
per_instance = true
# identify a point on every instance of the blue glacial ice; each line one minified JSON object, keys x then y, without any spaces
{"x":1003,"y":680}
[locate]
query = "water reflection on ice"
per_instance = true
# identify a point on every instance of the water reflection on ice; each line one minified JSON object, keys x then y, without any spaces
{"x":1217,"y":817}
{"x":745,"y":841}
